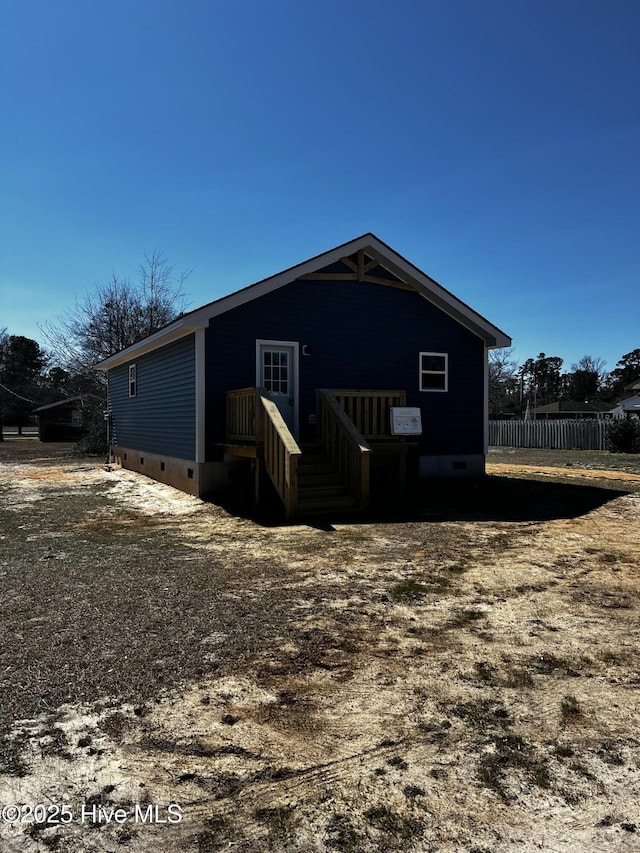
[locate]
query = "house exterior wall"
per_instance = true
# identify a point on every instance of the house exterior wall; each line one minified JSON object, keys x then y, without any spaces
{"x":360,"y":335}
{"x":627,"y":408}
{"x":161,"y":418}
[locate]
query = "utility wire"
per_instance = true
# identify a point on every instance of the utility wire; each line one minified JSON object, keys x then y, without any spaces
{"x":19,"y":396}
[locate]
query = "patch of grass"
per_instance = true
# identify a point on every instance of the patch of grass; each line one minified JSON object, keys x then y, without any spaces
{"x":582,"y":770}
{"x":12,"y":762}
{"x":409,"y":590}
{"x":393,"y":824}
{"x":547,"y":663}
{"x":518,"y":677}
{"x":609,"y":752}
{"x":482,"y":714}
{"x":499,"y":543}
{"x":280,"y":822}
{"x":413,"y":791}
{"x":459,"y":566}
{"x":490,"y":775}
{"x":615,"y":658}
{"x":341,"y":835}
{"x":462,"y":618}
{"x":512,"y":752}
{"x":290,"y":713}
{"x":570,"y":710}
{"x":55,"y":743}
{"x":608,"y":558}
{"x":208,"y":841}
{"x":349,"y":645}
{"x":398,"y":763}
{"x":115,"y":725}
{"x":586,"y":459}
{"x":484,"y":671}
{"x":605,"y":556}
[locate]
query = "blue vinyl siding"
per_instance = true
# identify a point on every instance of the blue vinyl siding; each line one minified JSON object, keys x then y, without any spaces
{"x":161,"y":418}
{"x":360,"y":335}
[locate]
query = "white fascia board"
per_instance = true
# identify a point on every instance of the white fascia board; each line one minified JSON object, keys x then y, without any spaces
{"x":176,"y":330}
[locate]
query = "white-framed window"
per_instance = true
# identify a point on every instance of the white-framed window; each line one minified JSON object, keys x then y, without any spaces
{"x":433,"y":371}
{"x":275,"y":371}
{"x":133,"y":382}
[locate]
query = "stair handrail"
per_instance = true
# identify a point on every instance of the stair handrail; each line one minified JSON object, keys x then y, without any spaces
{"x":280,"y":451}
{"x":347,"y":450}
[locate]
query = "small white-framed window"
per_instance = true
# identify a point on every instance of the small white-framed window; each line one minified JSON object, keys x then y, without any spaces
{"x":133,"y":382}
{"x":433,"y":371}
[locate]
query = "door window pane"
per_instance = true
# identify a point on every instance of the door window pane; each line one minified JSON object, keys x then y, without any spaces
{"x":275,"y":372}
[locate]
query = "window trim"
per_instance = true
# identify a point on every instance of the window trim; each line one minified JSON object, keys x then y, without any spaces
{"x":133,"y":381}
{"x":444,"y":373}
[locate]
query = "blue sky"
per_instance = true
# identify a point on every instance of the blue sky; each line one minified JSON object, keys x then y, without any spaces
{"x":495,"y":144}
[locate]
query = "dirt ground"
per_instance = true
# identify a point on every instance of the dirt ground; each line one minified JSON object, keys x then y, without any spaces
{"x":462,"y":675}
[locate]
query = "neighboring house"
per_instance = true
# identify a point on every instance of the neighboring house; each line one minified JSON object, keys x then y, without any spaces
{"x":627,"y":408}
{"x":61,"y":421}
{"x":261,"y":374}
{"x":569,"y":410}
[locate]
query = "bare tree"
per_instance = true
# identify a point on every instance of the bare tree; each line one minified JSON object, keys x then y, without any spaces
{"x":4,"y":341}
{"x":117,"y":314}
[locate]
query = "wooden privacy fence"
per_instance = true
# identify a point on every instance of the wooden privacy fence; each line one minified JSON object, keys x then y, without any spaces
{"x":555,"y":435}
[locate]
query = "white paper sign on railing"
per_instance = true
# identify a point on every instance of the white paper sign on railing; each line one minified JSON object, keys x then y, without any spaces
{"x":406,"y":420}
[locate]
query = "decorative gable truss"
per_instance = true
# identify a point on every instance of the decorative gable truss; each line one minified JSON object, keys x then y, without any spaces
{"x":358,"y":267}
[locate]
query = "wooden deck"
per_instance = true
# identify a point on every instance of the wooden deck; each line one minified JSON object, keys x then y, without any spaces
{"x":334,"y":476}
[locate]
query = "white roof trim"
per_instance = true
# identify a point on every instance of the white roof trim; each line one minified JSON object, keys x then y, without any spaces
{"x":180,"y":328}
{"x":385,"y":255}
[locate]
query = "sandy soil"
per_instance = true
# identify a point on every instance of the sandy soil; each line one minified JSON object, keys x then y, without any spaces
{"x":461,"y":685}
{"x":585,"y":474}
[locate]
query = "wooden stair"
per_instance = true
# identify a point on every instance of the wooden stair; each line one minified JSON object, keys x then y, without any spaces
{"x":320,"y":488}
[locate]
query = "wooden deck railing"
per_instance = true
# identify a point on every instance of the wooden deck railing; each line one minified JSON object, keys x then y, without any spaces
{"x":280,"y":453}
{"x":343,"y":444}
{"x":347,"y":419}
{"x":370,"y":410}
{"x":241,"y":415}
{"x":252,"y":417}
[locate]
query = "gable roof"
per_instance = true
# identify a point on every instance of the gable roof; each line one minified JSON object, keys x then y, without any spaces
{"x":571,"y":407}
{"x":630,"y":404}
{"x":69,"y":401}
{"x":399,"y":267}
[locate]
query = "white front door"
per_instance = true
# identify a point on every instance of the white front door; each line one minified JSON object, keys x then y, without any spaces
{"x":277,"y":373}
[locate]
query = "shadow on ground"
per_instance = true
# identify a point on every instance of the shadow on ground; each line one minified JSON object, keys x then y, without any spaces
{"x":488,"y":498}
